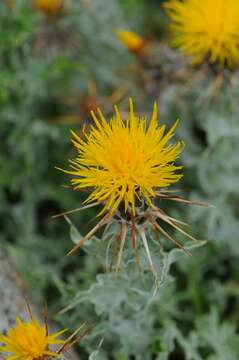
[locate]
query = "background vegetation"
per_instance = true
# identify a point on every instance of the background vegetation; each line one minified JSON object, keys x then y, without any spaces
{"x":54,"y":70}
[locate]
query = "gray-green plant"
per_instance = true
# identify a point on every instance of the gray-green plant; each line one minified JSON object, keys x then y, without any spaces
{"x":46,"y":68}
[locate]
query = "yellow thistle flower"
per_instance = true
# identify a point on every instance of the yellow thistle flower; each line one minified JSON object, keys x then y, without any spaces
{"x":29,"y":341}
{"x":131,"y":40}
{"x":49,"y":7}
{"x":206,"y":28}
{"x":124,"y":162}
{"x":127,"y":165}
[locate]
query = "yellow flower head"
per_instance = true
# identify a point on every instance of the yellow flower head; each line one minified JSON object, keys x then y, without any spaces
{"x":204,"y":28}
{"x":125,"y":162}
{"x":29,"y":341}
{"x":49,"y":7}
{"x":130,"y":40}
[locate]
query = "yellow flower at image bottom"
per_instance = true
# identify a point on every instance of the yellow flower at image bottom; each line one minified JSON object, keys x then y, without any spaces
{"x":206,"y":29}
{"x":29,"y":341}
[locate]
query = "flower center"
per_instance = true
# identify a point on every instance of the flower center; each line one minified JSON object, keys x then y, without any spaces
{"x":122,"y":159}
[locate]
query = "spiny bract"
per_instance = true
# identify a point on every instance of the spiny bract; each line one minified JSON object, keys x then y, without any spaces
{"x":206,"y":28}
{"x":124,"y":162}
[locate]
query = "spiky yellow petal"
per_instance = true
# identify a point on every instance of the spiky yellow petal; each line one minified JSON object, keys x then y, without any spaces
{"x":206,"y":28}
{"x":123,"y":162}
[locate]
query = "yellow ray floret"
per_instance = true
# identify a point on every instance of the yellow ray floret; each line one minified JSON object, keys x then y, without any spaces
{"x":29,"y":341}
{"x":49,"y":7}
{"x":124,"y":162}
{"x":130,"y":40}
{"x":206,"y":28}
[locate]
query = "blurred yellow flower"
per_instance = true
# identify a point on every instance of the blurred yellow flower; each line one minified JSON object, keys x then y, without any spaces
{"x":29,"y":341}
{"x":130,"y":40}
{"x":124,"y":162}
{"x":206,"y":28}
{"x":49,"y":7}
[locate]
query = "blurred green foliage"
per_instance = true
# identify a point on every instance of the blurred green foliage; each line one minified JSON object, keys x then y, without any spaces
{"x":53,"y":72}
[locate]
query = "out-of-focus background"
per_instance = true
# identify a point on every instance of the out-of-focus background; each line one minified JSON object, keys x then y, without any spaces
{"x":56,"y":66}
